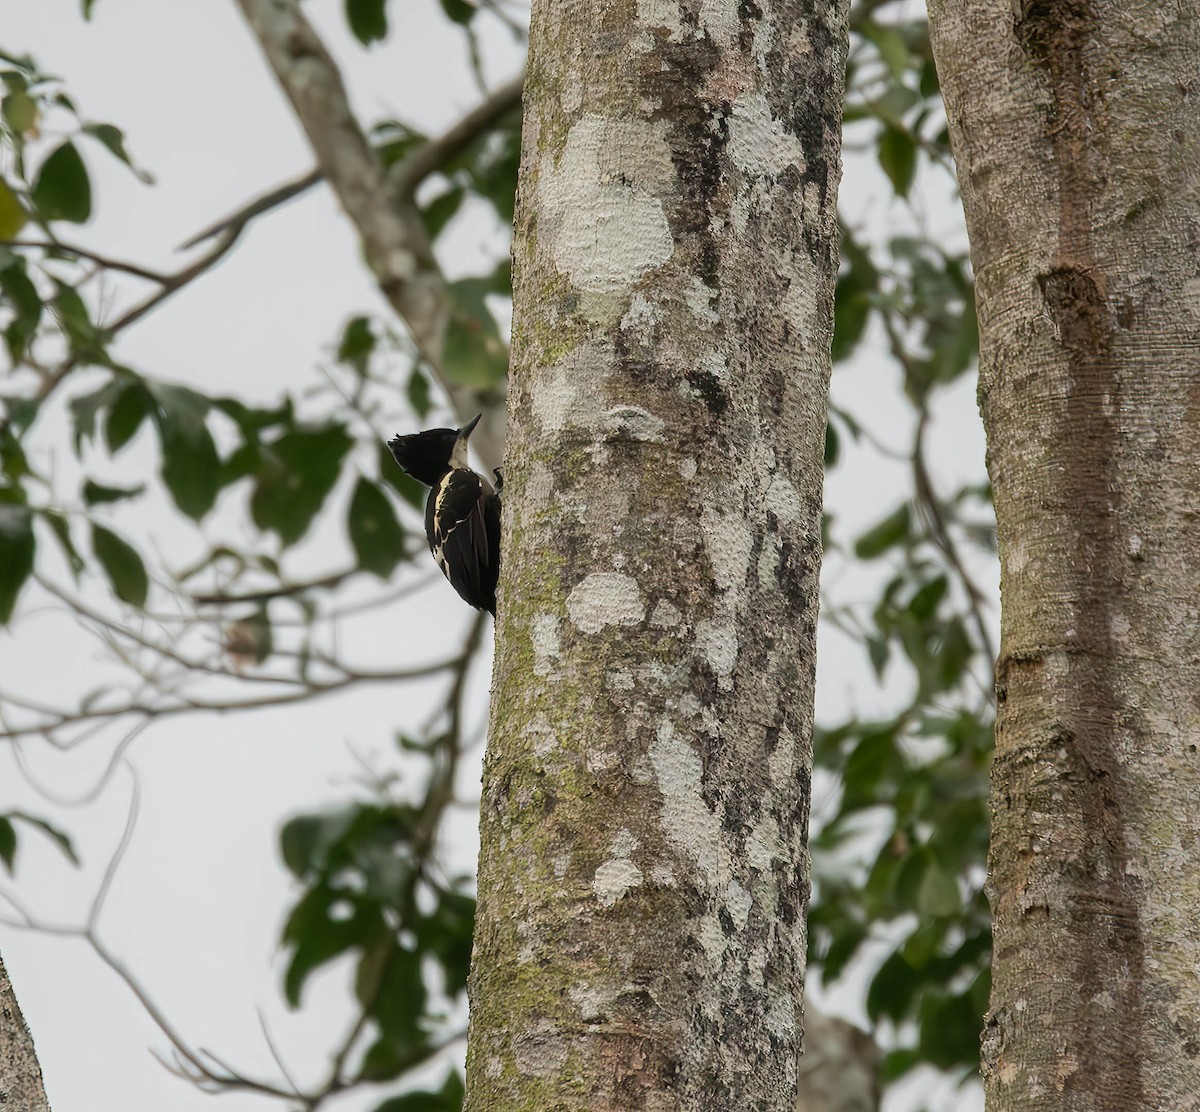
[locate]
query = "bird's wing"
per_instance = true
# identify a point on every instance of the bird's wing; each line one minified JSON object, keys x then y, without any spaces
{"x":458,"y":535}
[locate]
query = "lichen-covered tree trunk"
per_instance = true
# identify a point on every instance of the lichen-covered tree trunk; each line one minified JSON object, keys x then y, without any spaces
{"x":21,"y":1087}
{"x":1076,"y":127}
{"x":640,"y":938}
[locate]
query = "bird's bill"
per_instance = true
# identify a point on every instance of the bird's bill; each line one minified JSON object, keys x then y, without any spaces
{"x":469,"y":427}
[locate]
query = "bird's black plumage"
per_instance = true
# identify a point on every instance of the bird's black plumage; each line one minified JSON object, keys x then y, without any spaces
{"x":462,"y":513}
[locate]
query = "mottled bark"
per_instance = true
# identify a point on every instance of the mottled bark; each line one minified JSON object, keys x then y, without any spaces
{"x":21,"y":1088}
{"x":640,"y":938}
{"x":1076,"y":126}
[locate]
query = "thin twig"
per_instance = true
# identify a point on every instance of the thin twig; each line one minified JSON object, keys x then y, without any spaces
{"x":104,"y":261}
{"x":272,"y":199}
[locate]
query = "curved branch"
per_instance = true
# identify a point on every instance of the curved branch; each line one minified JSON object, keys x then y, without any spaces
{"x":83,"y":253}
{"x":403,"y":178}
{"x":414,"y":168}
{"x":240,"y":217}
{"x":395,"y":243}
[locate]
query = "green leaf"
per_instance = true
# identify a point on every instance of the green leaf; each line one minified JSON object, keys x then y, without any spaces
{"x":375,"y":533}
{"x":20,"y":111}
{"x":897,"y":1063}
{"x":474,"y":354}
{"x":191,"y":468}
{"x":17,"y":546}
{"x":949,"y":1029}
{"x":84,"y":409}
{"x":440,"y":211}
{"x":296,"y":473}
{"x":844,"y":946}
{"x":956,"y":652}
{"x":924,"y":603}
{"x":892,"y":989}
{"x":367,"y":19}
{"x":448,"y":1099}
{"x":938,"y":893}
{"x":493,"y":162}
{"x":113,"y":138}
{"x":126,"y":414}
{"x":890,"y":43}
{"x":59,"y":837}
{"x":62,"y":189}
{"x":419,"y":393}
{"x":357,"y":345}
{"x":21,"y":295}
{"x":122,"y":565}
{"x":318,"y":932}
{"x":831,"y":445}
{"x":897,"y":154}
{"x":61,"y":529}
{"x":888,"y":533}
{"x":95,"y":494}
{"x":459,"y":11}
{"x":8,"y":843}
{"x":13,"y":216}
{"x":394,"y":993}
{"x":85,"y":337}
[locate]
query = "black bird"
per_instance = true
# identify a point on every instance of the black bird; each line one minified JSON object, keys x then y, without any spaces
{"x":462,"y":514}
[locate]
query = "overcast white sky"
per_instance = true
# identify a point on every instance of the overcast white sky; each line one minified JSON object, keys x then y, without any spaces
{"x":198,"y":904}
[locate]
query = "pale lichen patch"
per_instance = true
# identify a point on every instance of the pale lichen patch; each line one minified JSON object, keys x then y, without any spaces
{"x":661,"y":13}
{"x":592,"y":1002}
{"x":765,"y":845}
{"x":598,"y":204}
{"x":782,"y":762}
{"x":686,"y":819}
{"x":663,"y":875}
{"x":717,"y":642}
{"x":570,"y":392}
{"x":632,"y":422}
{"x":614,"y":879}
{"x":783,"y":500}
{"x":728,"y":542}
{"x":738,"y":903}
{"x":665,"y":615}
{"x":544,"y":638}
{"x":605,"y":598}
{"x":758,"y":142}
{"x":768,"y":566}
{"x":699,"y":298}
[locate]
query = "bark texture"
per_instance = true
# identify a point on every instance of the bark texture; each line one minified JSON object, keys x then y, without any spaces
{"x":21,"y":1088}
{"x":640,"y":938}
{"x":1076,"y":127}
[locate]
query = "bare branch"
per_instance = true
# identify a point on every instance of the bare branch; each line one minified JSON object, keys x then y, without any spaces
{"x":82,"y":253}
{"x":284,"y":590}
{"x":173,"y":283}
{"x":414,"y":168}
{"x":240,"y":217}
{"x":395,"y":243}
{"x":56,"y":721}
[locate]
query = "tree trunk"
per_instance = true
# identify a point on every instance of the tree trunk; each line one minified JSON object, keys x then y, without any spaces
{"x":640,"y":939}
{"x":21,"y":1088}
{"x":1076,"y":126}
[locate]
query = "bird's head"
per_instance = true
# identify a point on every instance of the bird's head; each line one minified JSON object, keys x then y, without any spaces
{"x":428,"y":455}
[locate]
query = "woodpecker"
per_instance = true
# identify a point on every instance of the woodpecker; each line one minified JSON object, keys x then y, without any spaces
{"x":462,"y":513}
